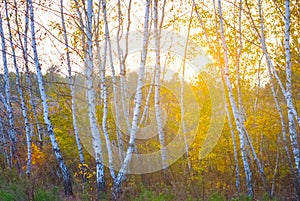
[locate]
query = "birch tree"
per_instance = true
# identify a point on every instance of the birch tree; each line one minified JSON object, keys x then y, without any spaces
{"x":292,"y":113}
{"x":236,"y":115}
{"x":7,"y":102}
{"x":89,"y":62}
{"x":20,"y":91}
{"x":137,"y":107}
{"x":157,"y":89}
{"x":28,"y":80}
{"x":71,"y":86}
{"x":108,"y":52}
{"x":122,"y":56}
{"x":288,"y":95}
{"x":55,"y":147}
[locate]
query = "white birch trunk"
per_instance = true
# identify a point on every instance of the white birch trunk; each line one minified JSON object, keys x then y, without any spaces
{"x":137,"y":106}
{"x":3,"y":139}
{"x":286,"y":92}
{"x":238,"y":79}
{"x":28,"y":81}
{"x":91,"y":99}
{"x":104,"y":93}
{"x":236,"y":115}
{"x":241,"y":112}
{"x":289,"y":98}
{"x":122,"y":61}
{"x":7,"y":101}
{"x":157,"y":90}
{"x":291,"y":106}
{"x":282,"y":121}
{"x":235,"y":154}
{"x":23,"y":105}
{"x":71,"y":85}
{"x":115,"y":95}
{"x":55,"y":147}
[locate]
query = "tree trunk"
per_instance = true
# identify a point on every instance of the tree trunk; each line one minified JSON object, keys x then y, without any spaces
{"x":157,"y":98}
{"x":137,"y":107}
{"x":55,"y":147}
{"x":71,"y":86}
{"x":23,"y":105}
{"x":236,"y":160}
{"x":286,"y":92}
{"x":289,"y":98}
{"x":91,"y":99}
{"x":28,"y":81}
{"x":236,"y":115}
{"x":7,"y":102}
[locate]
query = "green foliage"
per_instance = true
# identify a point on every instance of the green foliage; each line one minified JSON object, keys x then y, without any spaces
{"x":149,"y":195}
{"x":6,"y":196}
{"x":242,"y":198}
{"x":190,"y":198}
{"x":216,"y":197}
{"x":44,"y":195}
{"x":12,"y":187}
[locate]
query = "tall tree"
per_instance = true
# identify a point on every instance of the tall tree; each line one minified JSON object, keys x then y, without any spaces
{"x":89,"y":62}
{"x":72,"y":89}
{"x":7,"y":102}
{"x":137,"y":106}
{"x":157,"y":97}
{"x":20,"y":91}
{"x":288,"y":95}
{"x":65,"y":171}
{"x":236,"y":114}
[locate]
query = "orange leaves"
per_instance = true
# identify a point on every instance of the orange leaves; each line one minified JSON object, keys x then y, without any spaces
{"x":37,"y":155}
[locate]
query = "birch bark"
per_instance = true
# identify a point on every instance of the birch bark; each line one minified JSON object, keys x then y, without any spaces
{"x":7,"y":101}
{"x":236,"y":115}
{"x":236,"y":160}
{"x":157,"y":104}
{"x":55,"y":147}
{"x":104,"y":93}
{"x":137,"y":106}
{"x":292,"y":113}
{"x":288,"y":95}
{"x":73,"y":99}
{"x":122,"y":61}
{"x":91,"y":98}
{"x":23,"y":105}
{"x":28,"y":81}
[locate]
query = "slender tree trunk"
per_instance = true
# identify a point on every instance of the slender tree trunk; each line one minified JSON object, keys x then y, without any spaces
{"x":71,"y":85}
{"x":7,"y":101}
{"x":28,"y":81}
{"x":55,"y":147}
{"x":269,"y":61}
{"x":137,"y":106}
{"x":236,"y":115}
{"x":122,"y":61}
{"x":157,"y":97}
{"x":24,"y":45}
{"x":20,"y":91}
{"x":3,"y":140}
{"x":115,"y":95}
{"x":236,"y":160}
{"x":239,"y":53}
{"x":91,"y":99}
{"x":286,"y":92}
{"x":289,"y":98}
